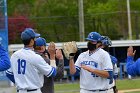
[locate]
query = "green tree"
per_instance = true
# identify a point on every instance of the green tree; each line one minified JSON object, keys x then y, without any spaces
{"x":104,"y":17}
{"x":57,"y":20}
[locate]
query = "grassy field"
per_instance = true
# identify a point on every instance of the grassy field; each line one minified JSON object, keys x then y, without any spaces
{"x":128,"y":84}
{"x":67,"y":88}
{"x":121,"y":84}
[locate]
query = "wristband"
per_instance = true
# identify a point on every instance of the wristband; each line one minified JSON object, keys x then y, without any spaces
{"x":53,"y":63}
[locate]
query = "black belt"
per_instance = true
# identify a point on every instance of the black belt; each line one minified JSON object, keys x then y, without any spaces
{"x":28,"y":90}
{"x":100,"y":90}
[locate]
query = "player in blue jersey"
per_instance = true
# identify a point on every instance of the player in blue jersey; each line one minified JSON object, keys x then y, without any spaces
{"x":4,"y":59}
{"x":133,"y":68}
{"x":29,"y":68}
{"x":95,"y":67}
{"x":106,"y":43}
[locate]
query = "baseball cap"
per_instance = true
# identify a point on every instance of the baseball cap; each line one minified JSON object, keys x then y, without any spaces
{"x":40,"y":42}
{"x":93,"y":36}
{"x":29,"y":33}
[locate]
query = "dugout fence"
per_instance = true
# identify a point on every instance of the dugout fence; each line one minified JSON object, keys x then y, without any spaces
{"x":118,"y":49}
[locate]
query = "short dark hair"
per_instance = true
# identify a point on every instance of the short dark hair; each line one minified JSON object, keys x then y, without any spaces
{"x":26,"y":42}
{"x":99,"y":42}
{"x":106,"y":48}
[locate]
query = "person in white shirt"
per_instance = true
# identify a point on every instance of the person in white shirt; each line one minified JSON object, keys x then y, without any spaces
{"x":95,"y":67}
{"x":29,"y":68}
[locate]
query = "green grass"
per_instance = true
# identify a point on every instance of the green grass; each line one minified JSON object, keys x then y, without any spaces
{"x":128,"y":84}
{"x":69,"y":87}
{"x":74,"y":87}
{"x":121,"y":85}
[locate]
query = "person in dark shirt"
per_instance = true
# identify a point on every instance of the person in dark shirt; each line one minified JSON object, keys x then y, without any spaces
{"x":52,"y":53}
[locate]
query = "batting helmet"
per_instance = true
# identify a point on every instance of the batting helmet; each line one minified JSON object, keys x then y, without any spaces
{"x":29,"y":33}
{"x":40,"y":42}
{"x":94,"y":36}
{"x":106,"y":41}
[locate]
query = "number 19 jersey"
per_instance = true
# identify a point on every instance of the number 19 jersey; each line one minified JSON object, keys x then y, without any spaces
{"x":28,"y":69}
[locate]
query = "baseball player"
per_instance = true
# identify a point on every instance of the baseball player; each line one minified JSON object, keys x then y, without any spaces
{"x":40,"y":46}
{"x":106,"y":42}
{"x":132,"y":67}
{"x":95,"y":67}
{"x":4,"y":59}
{"x":28,"y":67}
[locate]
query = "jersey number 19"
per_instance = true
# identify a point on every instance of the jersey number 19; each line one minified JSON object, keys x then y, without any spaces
{"x":21,"y":66}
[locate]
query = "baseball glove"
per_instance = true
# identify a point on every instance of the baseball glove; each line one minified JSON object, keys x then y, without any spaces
{"x":69,"y":49}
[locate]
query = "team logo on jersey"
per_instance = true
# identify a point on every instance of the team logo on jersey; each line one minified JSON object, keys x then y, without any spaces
{"x":92,"y":63}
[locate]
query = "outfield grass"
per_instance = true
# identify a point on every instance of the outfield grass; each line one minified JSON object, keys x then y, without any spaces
{"x":74,"y":87}
{"x":67,"y":88}
{"x":121,"y":85}
{"x":128,"y":84}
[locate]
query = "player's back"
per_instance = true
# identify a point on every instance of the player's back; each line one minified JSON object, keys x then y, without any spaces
{"x":26,"y":73}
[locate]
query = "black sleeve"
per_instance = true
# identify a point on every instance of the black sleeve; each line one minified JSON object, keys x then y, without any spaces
{"x":60,"y":69}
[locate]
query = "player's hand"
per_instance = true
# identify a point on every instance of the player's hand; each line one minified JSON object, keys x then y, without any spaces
{"x":59,"y":54}
{"x":51,"y":50}
{"x":87,"y":68}
{"x":130,"y":51}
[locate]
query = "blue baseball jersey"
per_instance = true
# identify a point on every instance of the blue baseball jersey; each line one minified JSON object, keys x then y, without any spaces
{"x":113,"y":59}
{"x":133,"y":68}
{"x":115,"y":69}
{"x":4,"y":59}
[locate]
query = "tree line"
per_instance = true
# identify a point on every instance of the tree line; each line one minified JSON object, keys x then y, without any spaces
{"x":57,"y":20}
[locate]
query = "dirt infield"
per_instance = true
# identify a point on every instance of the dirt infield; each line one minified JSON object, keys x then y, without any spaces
{"x":129,"y":90}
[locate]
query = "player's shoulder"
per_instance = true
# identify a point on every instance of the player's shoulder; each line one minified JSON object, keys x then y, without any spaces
{"x":102,"y":52}
{"x":113,"y":59}
{"x":84,"y":53}
{"x":17,"y":52}
{"x":35,"y":55}
{"x":138,"y":60}
{"x":24,"y":52}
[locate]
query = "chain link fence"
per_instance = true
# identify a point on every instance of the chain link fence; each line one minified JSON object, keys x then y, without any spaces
{"x":62,"y":29}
